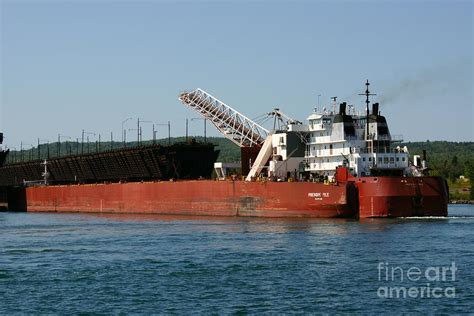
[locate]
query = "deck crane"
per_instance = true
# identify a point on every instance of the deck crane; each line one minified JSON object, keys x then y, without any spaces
{"x":280,"y":117}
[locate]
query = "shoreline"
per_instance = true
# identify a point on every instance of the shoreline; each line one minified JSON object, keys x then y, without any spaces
{"x":461,"y":202}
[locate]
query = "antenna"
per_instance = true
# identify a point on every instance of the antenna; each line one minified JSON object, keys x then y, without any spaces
{"x":367,"y":102}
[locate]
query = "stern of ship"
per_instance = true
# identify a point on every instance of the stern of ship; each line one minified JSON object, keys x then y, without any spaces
{"x":402,"y":196}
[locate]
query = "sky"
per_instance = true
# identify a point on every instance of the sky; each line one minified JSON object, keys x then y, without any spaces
{"x":68,"y":66}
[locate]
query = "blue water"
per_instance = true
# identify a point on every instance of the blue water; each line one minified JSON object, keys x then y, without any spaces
{"x":75,"y":263}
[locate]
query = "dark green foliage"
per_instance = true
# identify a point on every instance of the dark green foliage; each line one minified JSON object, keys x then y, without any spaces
{"x":469,"y":171}
{"x":447,"y":159}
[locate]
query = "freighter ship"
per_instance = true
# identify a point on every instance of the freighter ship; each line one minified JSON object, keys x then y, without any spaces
{"x":341,"y":163}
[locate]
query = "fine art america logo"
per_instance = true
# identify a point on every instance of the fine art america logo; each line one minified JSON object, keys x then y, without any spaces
{"x":426,"y":282}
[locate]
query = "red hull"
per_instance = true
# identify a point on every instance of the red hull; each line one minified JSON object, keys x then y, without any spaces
{"x":351,"y":197}
{"x":402,"y":196}
{"x":221,"y":198}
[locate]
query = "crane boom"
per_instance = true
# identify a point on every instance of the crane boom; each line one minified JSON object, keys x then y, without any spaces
{"x":235,"y":126}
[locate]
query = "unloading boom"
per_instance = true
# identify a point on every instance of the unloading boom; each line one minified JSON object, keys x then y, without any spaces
{"x":235,"y":126}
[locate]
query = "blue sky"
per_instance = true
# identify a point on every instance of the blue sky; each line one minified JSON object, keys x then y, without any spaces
{"x":73,"y":65}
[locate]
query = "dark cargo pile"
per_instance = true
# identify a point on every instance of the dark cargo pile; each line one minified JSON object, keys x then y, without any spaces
{"x":179,"y":161}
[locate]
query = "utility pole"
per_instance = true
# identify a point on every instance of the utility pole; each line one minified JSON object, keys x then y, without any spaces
{"x":82,"y":146}
{"x":59,"y":143}
{"x":124,"y":132}
{"x":169,"y":133}
{"x":138,"y":131}
{"x":186,"y":130}
{"x":205,"y":121}
{"x":125,"y":137}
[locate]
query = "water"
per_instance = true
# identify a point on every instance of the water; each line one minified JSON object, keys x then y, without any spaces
{"x":75,"y":263}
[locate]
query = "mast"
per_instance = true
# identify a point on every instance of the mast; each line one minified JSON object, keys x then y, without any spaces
{"x":367,"y":102}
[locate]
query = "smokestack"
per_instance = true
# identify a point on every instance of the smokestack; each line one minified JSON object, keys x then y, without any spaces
{"x":375,"y":108}
{"x":342,"y":108}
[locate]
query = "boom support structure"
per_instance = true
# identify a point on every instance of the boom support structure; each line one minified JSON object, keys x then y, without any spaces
{"x":235,"y":126}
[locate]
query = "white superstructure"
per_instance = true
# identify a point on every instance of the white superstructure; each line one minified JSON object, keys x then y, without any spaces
{"x":340,"y":139}
{"x":360,"y":141}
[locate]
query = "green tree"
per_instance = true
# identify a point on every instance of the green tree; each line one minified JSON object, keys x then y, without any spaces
{"x":470,"y":175}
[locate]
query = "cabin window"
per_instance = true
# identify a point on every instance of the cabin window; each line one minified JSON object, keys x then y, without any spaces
{"x":370,"y":158}
{"x":282,"y":140}
{"x":385,"y":159}
{"x":403,"y":158}
{"x":363,"y":159}
{"x":391,"y":160}
{"x":380,"y":159}
{"x":398,"y":159}
{"x":330,"y":149}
